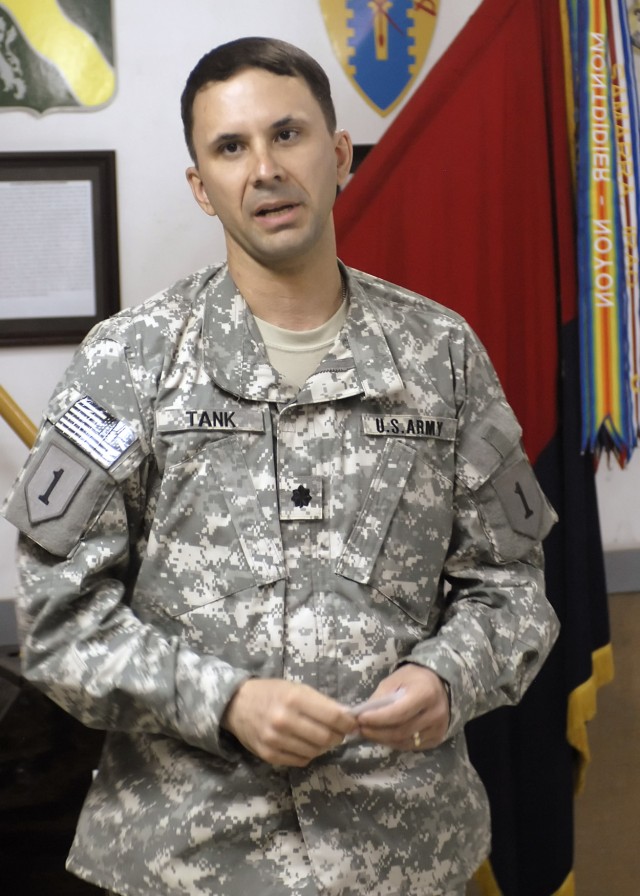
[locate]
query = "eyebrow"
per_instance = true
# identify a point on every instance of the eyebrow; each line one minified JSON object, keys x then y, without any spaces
{"x":234,"y":136}
{"x":287,"y":120}
{"x":225,"y":138}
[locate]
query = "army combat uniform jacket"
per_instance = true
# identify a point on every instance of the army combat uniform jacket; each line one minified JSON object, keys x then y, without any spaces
{"x":190,"y":520}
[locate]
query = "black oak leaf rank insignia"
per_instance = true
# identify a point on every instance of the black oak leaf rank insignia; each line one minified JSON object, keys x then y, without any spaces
{"x":301,"y":496}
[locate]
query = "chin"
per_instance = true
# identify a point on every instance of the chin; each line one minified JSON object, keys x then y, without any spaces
{"x":285,"y":254}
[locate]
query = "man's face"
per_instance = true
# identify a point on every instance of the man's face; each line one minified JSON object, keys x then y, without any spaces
{"x":267,"y":167}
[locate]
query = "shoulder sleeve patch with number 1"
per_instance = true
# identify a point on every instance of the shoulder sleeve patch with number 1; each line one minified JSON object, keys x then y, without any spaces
{"x":53,"y":483}
{"x":522,"y":500}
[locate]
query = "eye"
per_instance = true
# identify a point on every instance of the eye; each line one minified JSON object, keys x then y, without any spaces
{"x":231,"y":148}
{"x":288,"y":135}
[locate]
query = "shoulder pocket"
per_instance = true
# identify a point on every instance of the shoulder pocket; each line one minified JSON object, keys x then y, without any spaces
{"x":492,"y":464}
{"x":59,"y":492}
{"x":515,"y":512}
{"x":82,"y":452}
{"x":484,"y":445}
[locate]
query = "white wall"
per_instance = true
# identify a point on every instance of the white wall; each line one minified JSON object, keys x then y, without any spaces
{"x":163,"y":234}
{"x":619,"y":505}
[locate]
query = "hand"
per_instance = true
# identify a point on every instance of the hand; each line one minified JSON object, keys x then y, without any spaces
{"x":418,"y":720}
{"x":286,"y":723}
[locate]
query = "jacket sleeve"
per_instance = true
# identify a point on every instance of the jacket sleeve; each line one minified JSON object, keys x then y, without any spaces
{"x":81,"y":503}
{"x":497,"y":626}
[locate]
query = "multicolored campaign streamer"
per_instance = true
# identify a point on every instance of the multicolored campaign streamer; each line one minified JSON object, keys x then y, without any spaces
{"x":607,"y":186}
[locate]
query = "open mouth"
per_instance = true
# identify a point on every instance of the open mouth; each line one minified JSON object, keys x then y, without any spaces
{"x":278,"y":210}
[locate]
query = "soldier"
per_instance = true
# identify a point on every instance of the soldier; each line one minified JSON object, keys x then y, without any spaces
{"x":281,"y":541}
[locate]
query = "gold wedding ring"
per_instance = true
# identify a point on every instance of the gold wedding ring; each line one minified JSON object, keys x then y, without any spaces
{"x":416,"y":740}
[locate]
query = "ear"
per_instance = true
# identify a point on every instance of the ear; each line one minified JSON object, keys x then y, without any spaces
{"x":344,"y":155}
{"x":199,"y":192}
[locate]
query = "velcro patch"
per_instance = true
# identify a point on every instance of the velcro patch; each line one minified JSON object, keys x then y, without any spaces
{"x":300,"y":497}
{"x":409,"y":425}
{"x":96,"y":432}
{"x":221,"y":419}
{"x":521,"y":499}
{"x":53,"y":483}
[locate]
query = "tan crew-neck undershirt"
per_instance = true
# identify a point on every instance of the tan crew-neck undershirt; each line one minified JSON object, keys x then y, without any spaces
{"x":295,"y":354}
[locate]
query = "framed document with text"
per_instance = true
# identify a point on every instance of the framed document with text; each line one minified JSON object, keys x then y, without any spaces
{"x":59,"y":267}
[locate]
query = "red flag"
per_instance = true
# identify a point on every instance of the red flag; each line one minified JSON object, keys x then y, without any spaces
{"x":467,"y":199}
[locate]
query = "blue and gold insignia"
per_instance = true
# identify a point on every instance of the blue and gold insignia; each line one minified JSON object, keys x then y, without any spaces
{"x":56,"y":54}
{"x":381,"y":44}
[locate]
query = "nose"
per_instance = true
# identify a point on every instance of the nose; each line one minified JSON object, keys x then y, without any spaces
{"x":266,"y":166}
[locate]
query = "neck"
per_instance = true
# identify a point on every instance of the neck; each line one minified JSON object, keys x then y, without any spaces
{"x":295,"y":298}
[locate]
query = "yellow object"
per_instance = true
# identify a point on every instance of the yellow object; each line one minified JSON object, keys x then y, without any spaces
{"x":88,"y":75}
{"x":17,"y":419}
{"x":488,"y":885}
{"x":582,"y":708}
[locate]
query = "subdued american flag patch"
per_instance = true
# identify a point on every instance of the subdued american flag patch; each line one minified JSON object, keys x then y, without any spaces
{"x":96,"y":432}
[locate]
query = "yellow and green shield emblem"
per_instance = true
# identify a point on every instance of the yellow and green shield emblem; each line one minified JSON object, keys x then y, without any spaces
{"x":56,"y":54}
{"x":381,"y":44}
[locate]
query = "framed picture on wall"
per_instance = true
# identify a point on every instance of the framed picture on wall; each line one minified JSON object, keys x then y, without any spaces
{"x":59,"y":265}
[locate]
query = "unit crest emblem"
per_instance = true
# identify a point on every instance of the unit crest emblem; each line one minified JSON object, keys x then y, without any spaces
{"x":381,"y":44}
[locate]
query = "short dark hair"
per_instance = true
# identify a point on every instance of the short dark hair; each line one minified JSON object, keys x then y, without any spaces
{"x":269,"y":53}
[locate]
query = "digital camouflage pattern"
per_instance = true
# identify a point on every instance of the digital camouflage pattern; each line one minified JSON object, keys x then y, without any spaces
{"x":385,"y":512}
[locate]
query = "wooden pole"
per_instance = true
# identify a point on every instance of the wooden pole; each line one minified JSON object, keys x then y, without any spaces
{"x":17,"y":419}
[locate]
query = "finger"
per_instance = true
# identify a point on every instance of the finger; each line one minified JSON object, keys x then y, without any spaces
{"x":283,"y":758}
{"x":279,"y":748}
{"x":328,"y":714}
{"x":423,"y":740}
{"x":403,"y":737}
{"x":299,"y":736}
{"x":404,"y":710}
{"x":430,"y":735}
{"x":393,"y":723}
{"x":315,"y":736}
